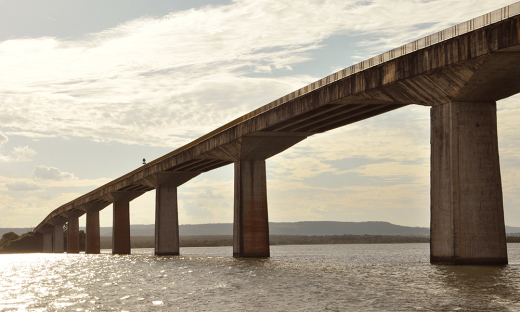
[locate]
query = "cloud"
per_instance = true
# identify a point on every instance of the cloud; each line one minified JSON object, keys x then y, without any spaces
{"x":23,"y":153}
{"x":19,"y":154}
{"x":22,"y":186}
{"x":164,"y":81}
{"x":3,"y":139}
{"x":41,"y":173}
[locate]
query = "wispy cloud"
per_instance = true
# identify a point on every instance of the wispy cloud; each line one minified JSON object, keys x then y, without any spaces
{"x":51,"y":173}
{"x":22,"y":186}
{"x":164,"y":81}
{"x":167,"y":80}
{"x":19,"y":154}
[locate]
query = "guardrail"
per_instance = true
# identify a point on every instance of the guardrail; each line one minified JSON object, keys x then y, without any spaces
{"x":462,"y":28}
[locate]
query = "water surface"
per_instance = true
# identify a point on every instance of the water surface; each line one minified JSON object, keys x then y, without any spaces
{"x":389,"y":277}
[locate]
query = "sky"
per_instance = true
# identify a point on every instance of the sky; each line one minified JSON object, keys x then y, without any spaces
{"x":90,"y":88}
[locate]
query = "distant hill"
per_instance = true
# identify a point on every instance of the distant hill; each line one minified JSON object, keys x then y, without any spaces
{"x":288,"y":228}
{"x":279,"y":228}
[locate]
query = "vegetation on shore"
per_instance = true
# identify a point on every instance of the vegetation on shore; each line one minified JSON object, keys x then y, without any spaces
{"x":31,"y":242}
{"x":227,"y":240}
{"x":26,"y":243}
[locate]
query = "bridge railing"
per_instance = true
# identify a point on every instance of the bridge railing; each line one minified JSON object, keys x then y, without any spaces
{"x":454,"y":31}
{"x":479,"y":22}
{"x":451,"y":32}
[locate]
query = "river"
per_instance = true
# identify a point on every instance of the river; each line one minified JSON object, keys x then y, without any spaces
{"x":388,"y":277}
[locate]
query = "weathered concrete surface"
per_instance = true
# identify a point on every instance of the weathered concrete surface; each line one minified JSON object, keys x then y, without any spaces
{"x":58,"y":244}
{"x":481,"y":65}
{"x":166,"y":210}
{"x":73,"y":235}
{"x":92,"y":243}
{"x":121,"y":228}
{"x":467,"y":217}
{"x":47,"y":242}
{"x":121,"y":220}
{"x":251,"y":224}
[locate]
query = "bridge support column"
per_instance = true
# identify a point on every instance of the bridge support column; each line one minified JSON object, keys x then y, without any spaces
{"x":47,"y":242}
{"x":73,"y":235}
{"x":92,"y":230}
{"x":251,"y":224}
{"x":121,"y":228}
{"x":467,"y":216}
{"x":166,"y":210}
{"x":92,"y":245}
{"x":121,"y":221}
{"x":58,"y":245}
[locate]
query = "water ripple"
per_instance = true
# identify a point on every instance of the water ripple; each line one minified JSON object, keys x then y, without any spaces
{"x":307,"y":278}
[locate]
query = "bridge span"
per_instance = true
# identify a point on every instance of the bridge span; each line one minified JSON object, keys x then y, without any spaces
{"x":459,"y":72}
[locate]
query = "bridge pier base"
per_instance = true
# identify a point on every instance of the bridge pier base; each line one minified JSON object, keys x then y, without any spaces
{"x":251,"y":225}
{"x":467,"y":216}
{"x":73,"y":235}
{"x":166,"y":221}
{"x":47,"y":242}
{"x":121,"y":220}
{"x":92,"y":245}
{"x":166,"y":210}
{"x":58,"y":245}
{"x":121,"y":228}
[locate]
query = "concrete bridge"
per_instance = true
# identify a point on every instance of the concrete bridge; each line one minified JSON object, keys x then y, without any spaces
{"x":459,"y":72}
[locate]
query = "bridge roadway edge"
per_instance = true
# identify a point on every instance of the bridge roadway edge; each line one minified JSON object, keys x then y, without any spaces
{"x":388,"y":84}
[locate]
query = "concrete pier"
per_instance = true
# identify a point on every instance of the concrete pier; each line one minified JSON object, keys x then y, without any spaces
{"x":121,"y":220}
{"x":467,"y":217}
{"x":251,"y":224}
{"x":121,"y":228}
{"x":58,"y":245}
{"x":73,"y":235}
{"x":92,"y":244}
{"x":166,"y":210}
{"x":47,"y":242}
{"x":461,"y":71}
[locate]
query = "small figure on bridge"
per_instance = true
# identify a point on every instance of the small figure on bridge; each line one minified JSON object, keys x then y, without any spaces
{"x":144,"y":161}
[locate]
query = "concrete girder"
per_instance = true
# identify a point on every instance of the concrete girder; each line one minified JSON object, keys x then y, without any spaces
{"x":93,"y":206}
{"x":271,"y":144}
{"x":497,"y":78}
{"x":58,"y":220}
{"x":122,"y":196}
{"x":72,"y":214}
{"x":434,"y":75}
{"x":437,"y":86}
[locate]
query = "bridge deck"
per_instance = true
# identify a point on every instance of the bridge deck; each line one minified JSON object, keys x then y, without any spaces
{"x":462,"y":63}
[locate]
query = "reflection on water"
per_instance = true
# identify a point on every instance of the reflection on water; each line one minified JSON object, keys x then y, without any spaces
{"x":308,"y":278}
{"x":485,"y":288}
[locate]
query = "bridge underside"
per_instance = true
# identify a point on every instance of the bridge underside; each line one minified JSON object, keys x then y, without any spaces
{"x":460,"y":78}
